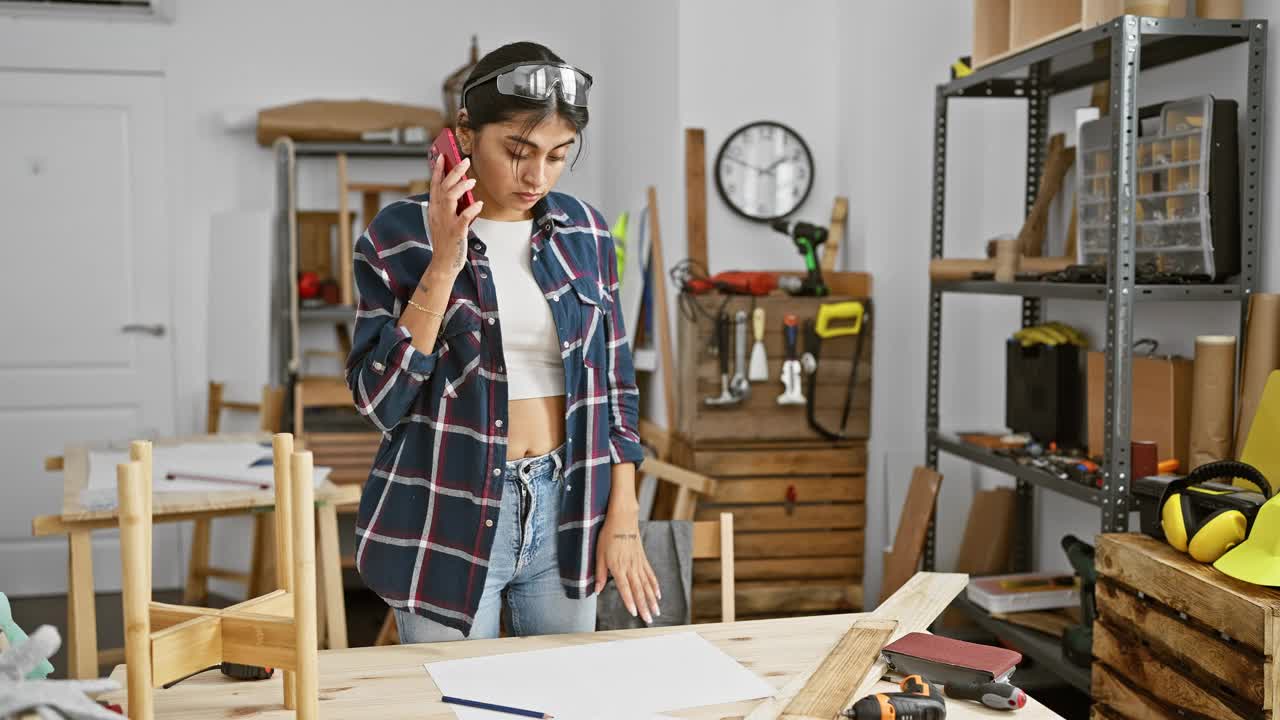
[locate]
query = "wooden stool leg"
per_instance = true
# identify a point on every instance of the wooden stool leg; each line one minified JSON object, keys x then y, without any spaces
{"x":304,"y":583}
{"x":82,"y":620}
{"x":197,"y":589}
{"x":134,"y":553}
{"x":282,"y":459}
{"x":388,"y":634}
{"x":329,"y":565}
{"x":262,"y":575}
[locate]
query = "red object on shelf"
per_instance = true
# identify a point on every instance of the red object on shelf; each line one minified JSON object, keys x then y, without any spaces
{"x":736,"y":282}
{"x":308,"y":285}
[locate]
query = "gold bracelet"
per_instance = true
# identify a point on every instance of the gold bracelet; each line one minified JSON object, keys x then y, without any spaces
{"x":413,"y":304}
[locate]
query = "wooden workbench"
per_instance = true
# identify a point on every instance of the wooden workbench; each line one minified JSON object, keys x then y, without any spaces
{"x":77,"y":522}
{"x":389,"y":682}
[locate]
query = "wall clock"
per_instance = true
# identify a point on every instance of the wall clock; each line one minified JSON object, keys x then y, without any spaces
{"x":764,"y":171}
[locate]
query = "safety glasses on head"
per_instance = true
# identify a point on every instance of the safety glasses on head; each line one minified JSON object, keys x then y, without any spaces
{"x":536,"y":81}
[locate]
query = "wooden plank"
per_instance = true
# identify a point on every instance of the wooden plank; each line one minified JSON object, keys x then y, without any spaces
{"x":198,"y":571}
{"x":186,"y":648}
{"x":1049,"y":622}
{"x":990,"y":30}
{"x":798,"y":568}
{"x":915,"y":606}
{"x":1032,"y":20}
{"x":166,"y":615}
{"x":835,"y":236}
{"x":913,"y":526}
{"x":377,"y":188}
{"x":850,"y":459}
{"x":255,"y":639}
{"x":846,"y":488}
{"x":697,"y":482}
{"x":831,"y":687}
{"x":1243,"y":611}
{"x":1122,"y":700}
{"x":798,"y":544}
{"x":758,"y":598}
{"x":82,"y":621}
{"x":1168,"y":635}
{"x":329,"y":567}
{"x":776,"y":517}
{"x":659,"y":279}
{"x":695,"y":189}
{"x":346,"y":245}
{"x":1143,"y":669}
{"x":277,"y":603}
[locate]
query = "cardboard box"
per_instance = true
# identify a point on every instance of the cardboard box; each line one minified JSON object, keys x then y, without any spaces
{"x":1161,"y":403}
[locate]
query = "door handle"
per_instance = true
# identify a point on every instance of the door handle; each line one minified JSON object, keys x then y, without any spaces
{"x":156,"y":330}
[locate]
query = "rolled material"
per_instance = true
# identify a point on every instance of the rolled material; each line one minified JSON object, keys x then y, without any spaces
{"x":1007,"y":257}
{"x":1143,"y":458}
{"x":1220,"y":9}
{"x":1213,"y":379}
{"x":1261,"y":356}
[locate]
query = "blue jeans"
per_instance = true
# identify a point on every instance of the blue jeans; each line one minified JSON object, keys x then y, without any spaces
{"x":522,"y":565}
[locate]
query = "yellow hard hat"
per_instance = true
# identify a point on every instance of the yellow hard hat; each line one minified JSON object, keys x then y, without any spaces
{"x":1257,"y":559}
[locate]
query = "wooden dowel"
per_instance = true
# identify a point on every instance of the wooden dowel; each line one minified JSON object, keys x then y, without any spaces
{"x":282,"y":455}
{"x":134,"y":551}
{"x":140,"y":451}
{"x":728,"y":601}
{"x":304,"y":586}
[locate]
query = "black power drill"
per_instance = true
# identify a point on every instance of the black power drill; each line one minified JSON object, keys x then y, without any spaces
{"x":919,"y":700}
{"x":807,"y":238}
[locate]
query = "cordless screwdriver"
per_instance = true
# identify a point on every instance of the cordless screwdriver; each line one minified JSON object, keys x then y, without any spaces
{"x":919,"y":700}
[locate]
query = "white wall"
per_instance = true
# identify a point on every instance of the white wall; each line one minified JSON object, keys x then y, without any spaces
{"x":238,"y":54}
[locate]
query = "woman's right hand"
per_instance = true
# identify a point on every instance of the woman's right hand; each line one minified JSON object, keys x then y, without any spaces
{"x":448,"y":230}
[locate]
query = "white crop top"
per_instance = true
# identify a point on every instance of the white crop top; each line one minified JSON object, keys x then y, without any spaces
{"x":529,"y":346}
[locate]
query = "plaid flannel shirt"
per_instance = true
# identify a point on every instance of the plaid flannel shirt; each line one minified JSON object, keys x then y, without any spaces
{"x":427,"y":516}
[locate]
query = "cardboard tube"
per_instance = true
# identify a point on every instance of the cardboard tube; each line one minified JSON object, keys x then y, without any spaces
{"x":1261,"y":356}
{"x":1213,"y":380}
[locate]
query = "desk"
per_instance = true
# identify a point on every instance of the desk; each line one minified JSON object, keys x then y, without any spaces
{"x":77,"y":522}
{"x":390,"y":683}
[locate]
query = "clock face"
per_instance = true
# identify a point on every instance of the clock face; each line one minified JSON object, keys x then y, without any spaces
{"x":764,"y":171}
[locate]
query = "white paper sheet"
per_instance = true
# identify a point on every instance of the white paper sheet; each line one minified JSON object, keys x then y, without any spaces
{"x":219,"y":460}
{"x":631,"y":679}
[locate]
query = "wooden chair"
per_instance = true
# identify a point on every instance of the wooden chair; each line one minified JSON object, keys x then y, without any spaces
{"x":164,"y":642}
{"x":259,"y":578}
{"x":713,"y":540}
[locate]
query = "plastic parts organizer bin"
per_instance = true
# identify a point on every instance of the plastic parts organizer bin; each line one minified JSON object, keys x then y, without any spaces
{"x":1187,"y":196}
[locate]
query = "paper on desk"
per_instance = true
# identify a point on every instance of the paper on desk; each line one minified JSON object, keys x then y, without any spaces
{"x":623,"y":678}
{"x":240,"y":461}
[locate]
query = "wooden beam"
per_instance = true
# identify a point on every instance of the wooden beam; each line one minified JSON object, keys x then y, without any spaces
{"x":254,"y":639}
{"x":913,"y":527}
{"x":697,"y":482}
{"x":185,"y":648}
{"x":166,"y":615}
{"x":661,"y":318}
{"x":835,"y":234}
{"x":695,"y":189}
{"x":832,"y":686}
{"x":656,"y":437}
{"x":134,"y":552}
{"x":915,"y":606}
{"x":278,"y":603}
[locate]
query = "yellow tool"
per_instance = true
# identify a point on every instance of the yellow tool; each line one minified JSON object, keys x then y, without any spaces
{"x":834,"y":312}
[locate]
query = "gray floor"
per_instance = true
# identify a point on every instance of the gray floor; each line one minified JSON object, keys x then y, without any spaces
{"x":364,"y":617}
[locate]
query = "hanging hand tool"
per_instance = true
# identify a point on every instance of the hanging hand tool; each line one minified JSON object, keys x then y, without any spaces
{"x":759,"y":370}
{"x":739,"y":385}
{"x":995,"y":695}
{"x":790,"y":376}
{"x":807,"y":238}
{"x":919,"y":700}
{"x":826,"y":327}
{"x":722,"y":343}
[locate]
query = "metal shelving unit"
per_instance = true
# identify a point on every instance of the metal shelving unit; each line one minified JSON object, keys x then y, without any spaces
{"x":284,"y":301}
{"x":1067,"y":63}
{"x":1045,"y":650}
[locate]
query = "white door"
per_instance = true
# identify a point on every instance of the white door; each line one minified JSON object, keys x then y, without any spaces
{"x":86,"y":342}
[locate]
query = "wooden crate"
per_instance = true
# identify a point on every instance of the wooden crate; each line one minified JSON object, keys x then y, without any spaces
{"x":804,"y":557}
{"x":1002,"y":28}
{"x":760,"y":418}
{"x":1175,"y":635}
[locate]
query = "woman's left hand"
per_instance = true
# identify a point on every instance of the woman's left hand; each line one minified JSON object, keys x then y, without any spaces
{"x":621,"y":554}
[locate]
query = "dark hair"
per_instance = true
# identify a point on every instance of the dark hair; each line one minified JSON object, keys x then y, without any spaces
{"x":485,"y":105}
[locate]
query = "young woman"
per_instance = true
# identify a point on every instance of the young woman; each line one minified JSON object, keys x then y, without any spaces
{"x":490,"y":351}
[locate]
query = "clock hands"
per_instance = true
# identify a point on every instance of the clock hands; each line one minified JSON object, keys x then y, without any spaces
{"x":746,"y":164}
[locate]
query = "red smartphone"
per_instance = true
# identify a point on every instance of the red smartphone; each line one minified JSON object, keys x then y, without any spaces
{"x":446,"y":146}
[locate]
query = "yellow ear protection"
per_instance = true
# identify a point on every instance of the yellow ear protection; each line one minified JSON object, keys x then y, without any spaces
{"x":1206,"y":519}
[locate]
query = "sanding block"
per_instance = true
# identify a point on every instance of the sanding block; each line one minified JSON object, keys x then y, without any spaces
{"x":944,"y":660}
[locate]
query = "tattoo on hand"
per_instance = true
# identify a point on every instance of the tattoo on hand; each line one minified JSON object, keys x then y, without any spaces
{"x":462,"y":255}
{"x":626,"y":536}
